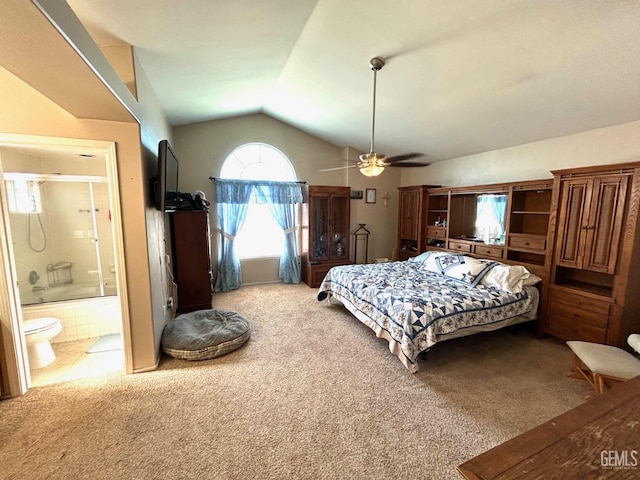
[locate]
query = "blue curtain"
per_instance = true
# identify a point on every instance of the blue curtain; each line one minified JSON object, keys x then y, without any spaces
{"x":499,"y":206}
{"x":282,"y":199}
{"x":490,"y":216}
{"x":233,"y":197}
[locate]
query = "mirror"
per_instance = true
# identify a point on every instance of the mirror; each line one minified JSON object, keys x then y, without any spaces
{"x":490,"y":218}
{"x":478,"y":217}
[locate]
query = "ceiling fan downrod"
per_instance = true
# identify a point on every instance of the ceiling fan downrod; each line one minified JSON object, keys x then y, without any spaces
{"x":376,"y":63}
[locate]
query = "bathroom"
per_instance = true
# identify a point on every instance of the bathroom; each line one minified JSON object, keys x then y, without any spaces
{"x":59,"y":214}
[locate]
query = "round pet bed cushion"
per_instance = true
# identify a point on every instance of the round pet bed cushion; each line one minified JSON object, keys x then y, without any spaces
{"x":204,"y":334}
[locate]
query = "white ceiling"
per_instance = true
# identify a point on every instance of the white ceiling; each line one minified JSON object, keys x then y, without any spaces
{"x":461,"y":76}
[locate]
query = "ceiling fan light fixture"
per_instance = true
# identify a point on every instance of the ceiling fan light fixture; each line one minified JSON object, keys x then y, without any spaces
{"x":371,"y":164}
{"x":371,"y":170}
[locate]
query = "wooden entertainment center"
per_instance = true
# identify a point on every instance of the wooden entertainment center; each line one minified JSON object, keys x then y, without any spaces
{"x":577,"y":231}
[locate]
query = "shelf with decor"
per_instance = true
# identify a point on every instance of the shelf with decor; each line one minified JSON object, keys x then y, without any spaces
{"x":529,"y":216}
{"x":437,"y":218}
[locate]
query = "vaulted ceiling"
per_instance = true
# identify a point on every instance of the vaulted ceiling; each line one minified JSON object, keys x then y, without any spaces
{"x":461,"y":76}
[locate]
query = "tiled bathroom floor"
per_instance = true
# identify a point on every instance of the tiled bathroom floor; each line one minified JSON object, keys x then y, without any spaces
{"x":72,"y":362}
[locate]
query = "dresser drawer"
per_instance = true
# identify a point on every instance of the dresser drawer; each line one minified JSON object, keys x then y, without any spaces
{"x":528,"y":242}
{"x":566,"y":328}
{"x":578,"y":316}
{"x":460,"y":247}
{"x":436,"y":232}
{"x":488,"y":251}
{"x":579,"y":302}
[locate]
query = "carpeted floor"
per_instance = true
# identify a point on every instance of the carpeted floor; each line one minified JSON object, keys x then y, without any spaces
{"x":312,"y":395}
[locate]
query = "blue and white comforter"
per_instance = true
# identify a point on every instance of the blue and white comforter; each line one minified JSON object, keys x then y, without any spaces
{"x":410,"y":306}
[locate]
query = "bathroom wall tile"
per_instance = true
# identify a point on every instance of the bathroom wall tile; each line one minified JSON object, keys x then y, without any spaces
{"x":70,"y":334}
{"x":82,"y":331}
{"x":88,"y":319}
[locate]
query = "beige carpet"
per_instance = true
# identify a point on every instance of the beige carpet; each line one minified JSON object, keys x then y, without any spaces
{"x":312,"y":395}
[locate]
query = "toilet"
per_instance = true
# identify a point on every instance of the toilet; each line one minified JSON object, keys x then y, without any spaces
{"x":37,"y":333}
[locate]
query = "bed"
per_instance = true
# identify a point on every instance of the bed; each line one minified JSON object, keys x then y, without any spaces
{"x":433,"y":297}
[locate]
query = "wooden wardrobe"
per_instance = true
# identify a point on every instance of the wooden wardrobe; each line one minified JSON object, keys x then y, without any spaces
{"x":594,"y":293}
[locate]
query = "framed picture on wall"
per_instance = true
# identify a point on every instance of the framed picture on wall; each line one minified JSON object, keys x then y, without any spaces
{"x":370,"y":195}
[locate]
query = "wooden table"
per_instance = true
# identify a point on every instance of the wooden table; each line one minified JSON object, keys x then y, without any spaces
{"x":598,"y":439}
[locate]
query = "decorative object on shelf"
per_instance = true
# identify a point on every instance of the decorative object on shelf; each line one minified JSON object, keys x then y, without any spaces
{"x":361,"y":234}
{"x":386,"y":199}
{"x":356,"y":194}
{"x":371,"y":195}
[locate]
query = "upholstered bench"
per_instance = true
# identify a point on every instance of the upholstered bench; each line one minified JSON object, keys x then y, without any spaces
{"x":598,"y":363}
{"x":205,"y":334}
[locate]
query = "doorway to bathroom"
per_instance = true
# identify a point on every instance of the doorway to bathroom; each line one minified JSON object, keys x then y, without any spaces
{"x":66,"y":253}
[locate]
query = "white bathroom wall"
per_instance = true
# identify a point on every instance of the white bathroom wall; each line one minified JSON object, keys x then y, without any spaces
{"x":80,"y":318}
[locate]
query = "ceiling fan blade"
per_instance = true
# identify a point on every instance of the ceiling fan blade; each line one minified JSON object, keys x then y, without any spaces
{"x":404,"y":156}
{"x":410,"y":164}
{"x":336,"y":168}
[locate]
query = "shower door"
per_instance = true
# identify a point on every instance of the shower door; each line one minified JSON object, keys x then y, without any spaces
{"x":61,"y":228}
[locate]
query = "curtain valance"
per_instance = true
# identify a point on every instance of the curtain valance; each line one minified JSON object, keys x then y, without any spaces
{"x":234,"y":191}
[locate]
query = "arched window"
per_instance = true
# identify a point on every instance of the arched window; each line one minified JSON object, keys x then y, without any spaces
{"x":260,"y":235}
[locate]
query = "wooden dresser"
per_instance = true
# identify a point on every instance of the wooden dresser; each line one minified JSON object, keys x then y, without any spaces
{"x":192,"y":259}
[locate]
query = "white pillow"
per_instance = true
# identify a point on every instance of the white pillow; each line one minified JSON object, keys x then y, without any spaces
{"x":431,"y":263}
{"x":509,"y":277}
{"x":531,"y":280}
{"x":459,"y":267}
{"x":422,"y":257}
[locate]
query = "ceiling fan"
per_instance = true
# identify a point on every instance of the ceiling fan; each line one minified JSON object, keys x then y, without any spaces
{"x":373,"y":164}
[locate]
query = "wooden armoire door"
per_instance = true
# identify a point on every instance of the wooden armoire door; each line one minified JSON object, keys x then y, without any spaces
{"x":590,"y":234}
{"x":604,"y":225}
{"x":410,"y":201}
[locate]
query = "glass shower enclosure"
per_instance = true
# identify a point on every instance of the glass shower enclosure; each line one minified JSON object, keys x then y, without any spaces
{"x":62,"y":236}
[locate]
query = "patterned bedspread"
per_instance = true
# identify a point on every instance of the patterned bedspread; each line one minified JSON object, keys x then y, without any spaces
{"x":410,"y":306}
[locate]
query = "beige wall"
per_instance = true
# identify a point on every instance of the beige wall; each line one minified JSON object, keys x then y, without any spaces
{"x":25,"y":111}
{"x":617,"y":144}
{"x":154,"y":127}
{"x":202,"y":148}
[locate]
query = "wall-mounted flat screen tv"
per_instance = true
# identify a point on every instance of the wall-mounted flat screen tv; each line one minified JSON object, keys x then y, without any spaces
{"x":167,"y":177}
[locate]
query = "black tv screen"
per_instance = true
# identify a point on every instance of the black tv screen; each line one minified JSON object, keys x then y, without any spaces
{"x":167,"y":177}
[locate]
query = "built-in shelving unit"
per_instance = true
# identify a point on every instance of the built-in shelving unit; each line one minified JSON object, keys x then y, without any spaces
{"x":529,"y":214}
{"x":454,"y":219}
{"x":593,"y":293}
{"x":437,"y":218}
